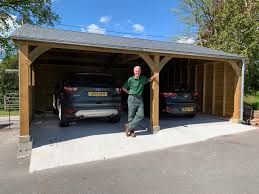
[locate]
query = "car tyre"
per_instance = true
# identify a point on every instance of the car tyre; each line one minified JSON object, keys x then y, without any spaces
{"x":62,"y":121}
{"x":191,"y":115}
{"x":55,"y":111}
{"x":54,"y":105}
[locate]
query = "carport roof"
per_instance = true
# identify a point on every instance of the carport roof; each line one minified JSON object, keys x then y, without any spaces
{"x":29,"y":32}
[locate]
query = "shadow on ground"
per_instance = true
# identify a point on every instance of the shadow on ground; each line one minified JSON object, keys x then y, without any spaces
{"x":5,"y":125}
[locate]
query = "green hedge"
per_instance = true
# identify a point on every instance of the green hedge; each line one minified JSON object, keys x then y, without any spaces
{"x":252,"y":100}
{"x":9,"y":82}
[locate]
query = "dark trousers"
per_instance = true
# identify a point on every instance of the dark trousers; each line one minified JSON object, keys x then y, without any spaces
{"x":135,"y":111}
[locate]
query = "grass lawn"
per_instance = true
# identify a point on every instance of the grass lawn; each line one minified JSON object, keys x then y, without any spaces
{"x":6,"y":113}
{"x":252,"y":100}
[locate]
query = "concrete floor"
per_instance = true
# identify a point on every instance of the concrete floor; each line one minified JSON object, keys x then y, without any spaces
{"x":12,"y":123}
{"x":93,"y":139}
{"x":226,"y":164}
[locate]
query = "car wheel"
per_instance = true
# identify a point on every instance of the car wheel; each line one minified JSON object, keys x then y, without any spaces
{"x":55,"y":111}
{"x":115,"y":119}
{"x":191,"y":115}
{"x":62,"y":121}
{"x":54,"y":104}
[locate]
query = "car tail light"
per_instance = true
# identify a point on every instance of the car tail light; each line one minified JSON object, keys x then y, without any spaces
{"x":195,"y":94}
{"x":172,"y":94}
{"x":70,"y":90}
{"x":69,"y":110}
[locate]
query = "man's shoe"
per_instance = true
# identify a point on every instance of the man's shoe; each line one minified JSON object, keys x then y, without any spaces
{"x":133,"y":134}
{"x":127,"y":130}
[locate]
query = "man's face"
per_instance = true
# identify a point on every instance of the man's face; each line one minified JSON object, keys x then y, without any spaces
{"x":137,"y":72}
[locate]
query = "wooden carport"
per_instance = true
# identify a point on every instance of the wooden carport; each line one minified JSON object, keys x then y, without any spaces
{"x":220,"y":72}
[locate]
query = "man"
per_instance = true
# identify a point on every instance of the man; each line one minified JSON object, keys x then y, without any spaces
{"x":134,"y":87}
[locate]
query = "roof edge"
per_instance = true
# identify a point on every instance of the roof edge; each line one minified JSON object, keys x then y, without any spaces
{"x":16,"y":38}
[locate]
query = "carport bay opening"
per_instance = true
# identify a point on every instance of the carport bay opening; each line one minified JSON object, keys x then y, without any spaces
{"x":44,"y":59}
{"x":54,"y":65}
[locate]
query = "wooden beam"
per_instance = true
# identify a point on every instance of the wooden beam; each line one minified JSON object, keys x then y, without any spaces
{"x":237,"y":98}
{"x":164,"y":61}
{"x":204,"y":109}
{"x":149,"y":61}
{"x":225,"y":89}
{"x":33,"y":99}
{"x":189,"y":76}
{"x":175,"y":72}
{"x":24,"y":90}
{"x":196,"y":78}
{"x":154,"y":65}
{"x":72,"y":59}
{"x":33,"y":76}
{"x":236,"y":68}
{"x":127,"y":59}
{"x":154,"y":98}
{"x":30,"y":93}
{"x":36,"y":52}
{"x":214,"y":90}
{"x":181,"y":73}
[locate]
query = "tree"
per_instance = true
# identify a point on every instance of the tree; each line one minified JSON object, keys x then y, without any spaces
{"x":14,"y":13}
{"x":8,"y":81}
{"x":228,"y":25}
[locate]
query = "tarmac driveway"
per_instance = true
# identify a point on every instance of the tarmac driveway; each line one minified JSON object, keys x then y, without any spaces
{"x":97,"y":139}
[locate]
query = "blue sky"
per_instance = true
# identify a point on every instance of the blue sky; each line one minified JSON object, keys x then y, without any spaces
{"x":131,"y":16}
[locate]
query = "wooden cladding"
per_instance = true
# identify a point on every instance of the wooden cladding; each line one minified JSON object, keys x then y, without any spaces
{"x":221,"y":90}
{"x":218,"y":85}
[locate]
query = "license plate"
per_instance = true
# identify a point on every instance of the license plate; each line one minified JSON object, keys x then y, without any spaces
{"x":187,"y":109}
{"x":97,"y":93}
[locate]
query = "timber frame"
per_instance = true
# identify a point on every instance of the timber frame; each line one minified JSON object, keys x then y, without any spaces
{"x":30,"y":51}
{"x":210,"y":78}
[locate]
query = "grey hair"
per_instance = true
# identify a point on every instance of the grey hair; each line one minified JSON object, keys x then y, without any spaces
{"x":137,"y":67}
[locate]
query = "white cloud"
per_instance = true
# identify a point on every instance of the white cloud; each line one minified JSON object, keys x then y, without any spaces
{"x":128,"y":36}
{"x":83,"y":29}
{"x":93,"y":28}
{"x":186,"y":40}
{"x":105,"y":19}
{"x":138,"y":27}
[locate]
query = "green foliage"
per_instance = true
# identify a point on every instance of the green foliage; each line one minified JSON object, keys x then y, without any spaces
{"x":252,"y":100}
{"x":228,"y":25}
{"x":9,"y":81}
{"x":6,"y":113}
{"x":15,"y":12}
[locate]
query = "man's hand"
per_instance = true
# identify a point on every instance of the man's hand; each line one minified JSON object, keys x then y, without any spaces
{"x":125,"y":90}
{"x":156,"y":75}
{"x":153,"y":77}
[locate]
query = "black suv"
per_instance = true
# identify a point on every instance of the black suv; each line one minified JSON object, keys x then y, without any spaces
{"x":87,"y":95}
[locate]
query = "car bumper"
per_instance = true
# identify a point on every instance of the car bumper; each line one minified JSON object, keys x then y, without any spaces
{"x":96,"y":113}
{"x":181,"y":108}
